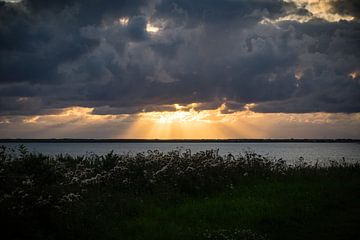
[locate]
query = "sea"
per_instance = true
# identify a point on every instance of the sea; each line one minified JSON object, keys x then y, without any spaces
{"x":291,"y":152}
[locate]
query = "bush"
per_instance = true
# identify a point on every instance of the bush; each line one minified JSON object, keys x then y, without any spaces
{"x":39,"y":191}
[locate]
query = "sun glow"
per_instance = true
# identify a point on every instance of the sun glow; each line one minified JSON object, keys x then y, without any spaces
{"x":175,"y":117}
{"x":354,"y":74}
{"x":151,"y":28}
{"x":71,"y":114}
{"x":318,"y":9}
{"x":184,"y":122}
{"x":188,"y":123}
{"x":124,"y":21}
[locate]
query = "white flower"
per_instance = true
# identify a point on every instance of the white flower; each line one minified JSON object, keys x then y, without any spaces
{"x":28,"y":182}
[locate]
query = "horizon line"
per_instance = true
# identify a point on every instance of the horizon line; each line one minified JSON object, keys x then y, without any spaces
{"x":109,"y":140}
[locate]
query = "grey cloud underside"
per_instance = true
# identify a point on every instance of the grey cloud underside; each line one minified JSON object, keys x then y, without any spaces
{"x":349,"y":7}
{"x":56,"y":54}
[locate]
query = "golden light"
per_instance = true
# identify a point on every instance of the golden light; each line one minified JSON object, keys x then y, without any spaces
{"x":249,"y":106}
{"x":123,"y":21}
{"x":354,"y":74}
{"x":70,"y":114}
{"x":169,"y":117}
{"x":151,"y":28}
{"x":184,"y":123}
{"x":31,"y":119}
{"x":188,"y":123}
{"x":322,"y":9}
{"x":183,"y":114}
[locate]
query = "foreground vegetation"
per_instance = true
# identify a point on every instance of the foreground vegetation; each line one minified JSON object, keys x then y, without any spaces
{"x":175,"y":195}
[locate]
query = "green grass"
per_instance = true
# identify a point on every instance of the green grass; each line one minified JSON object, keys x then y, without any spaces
{"x":175,"y":196}
{"x":276,"y":209}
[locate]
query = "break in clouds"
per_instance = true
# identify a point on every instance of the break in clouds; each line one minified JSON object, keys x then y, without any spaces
{"x":134,"y":55}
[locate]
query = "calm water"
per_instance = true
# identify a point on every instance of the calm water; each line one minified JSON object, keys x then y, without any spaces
{"x":311,"y":152}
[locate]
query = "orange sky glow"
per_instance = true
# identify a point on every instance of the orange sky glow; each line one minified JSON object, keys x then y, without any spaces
{"x":184,"y":123}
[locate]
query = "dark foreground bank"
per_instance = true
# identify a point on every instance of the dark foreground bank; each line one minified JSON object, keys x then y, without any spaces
{"x":175,"y":196}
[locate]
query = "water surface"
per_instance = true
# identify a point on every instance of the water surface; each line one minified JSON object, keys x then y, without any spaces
{"x":311,"y":152}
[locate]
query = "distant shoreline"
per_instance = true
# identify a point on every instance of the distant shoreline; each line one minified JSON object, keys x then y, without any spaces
{"x":73,"y":140}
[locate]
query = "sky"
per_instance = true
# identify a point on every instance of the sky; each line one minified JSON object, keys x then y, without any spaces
{"x":164,"y":69}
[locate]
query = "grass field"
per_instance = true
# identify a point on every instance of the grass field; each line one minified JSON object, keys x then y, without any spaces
{"x":175,"y":196}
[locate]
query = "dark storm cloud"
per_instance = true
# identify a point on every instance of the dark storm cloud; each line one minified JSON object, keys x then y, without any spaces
{"x":216,"y":12}
{"x":332,"y":53}
{"x":99,"y":54}
{"x":32,"y":46}
{"x":37,"y":37}
{"x":349,"y":7}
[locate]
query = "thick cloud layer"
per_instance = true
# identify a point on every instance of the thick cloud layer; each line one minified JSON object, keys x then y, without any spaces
{"x":350,"y":7}
{"x":136,"y":55}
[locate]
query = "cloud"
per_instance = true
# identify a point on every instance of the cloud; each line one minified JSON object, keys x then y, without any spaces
{"x":327,"y":10}
{"x":347,"y":7}
{"x":100,"y":55}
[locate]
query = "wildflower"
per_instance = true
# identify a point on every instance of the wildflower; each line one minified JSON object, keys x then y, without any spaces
{"x":71,"y":197}
{"x":28,"y":182}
